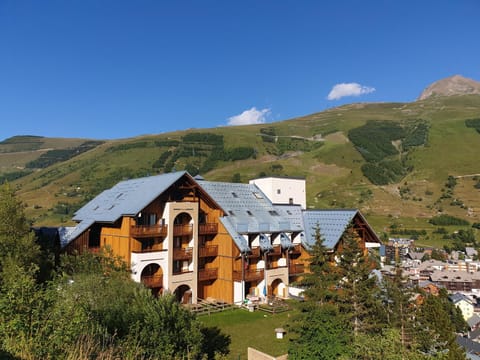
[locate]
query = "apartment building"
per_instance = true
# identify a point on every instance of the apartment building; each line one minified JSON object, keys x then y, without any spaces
{"x":203,"y":239}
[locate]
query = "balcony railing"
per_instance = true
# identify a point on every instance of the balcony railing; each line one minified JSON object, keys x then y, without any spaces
{"x":209,"y":250}
{"x":182,"y":253}
{"x":255,"y":252}
{"x":181,"y":271}
{"x":207,"y":274}
{"x":150,"y":248}
{"x":296,"y":268}
{"x":148,"y":230}
{"x":297,"y":249}
{"x":210,"y":228}
{"x":152,"y":281}
{"x":182,"y":229}
{"x":276,"y":251}
{"x":250,"y":275}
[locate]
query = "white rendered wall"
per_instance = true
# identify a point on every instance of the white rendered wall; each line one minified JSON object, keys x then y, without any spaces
{"x":283,"y":190}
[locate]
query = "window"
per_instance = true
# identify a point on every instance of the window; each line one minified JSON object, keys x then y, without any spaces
{"x":279,"y":191}
{"x":152,"y":219}
{"x":249,"y":213}
{"x":290,"y":201}
{"x":257,"y":195}
{"x":231,"y":212}
{"x":234,"y":195}
{"x":177,"y":266}
{"x":273,"y":212}
{"x":177,"y":242}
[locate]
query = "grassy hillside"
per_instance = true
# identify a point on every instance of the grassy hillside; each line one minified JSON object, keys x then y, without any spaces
{"x":320,"y":147}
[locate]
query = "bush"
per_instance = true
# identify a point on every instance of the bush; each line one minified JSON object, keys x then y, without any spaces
{"x":473,"y":123}
{"x":446,"y":220}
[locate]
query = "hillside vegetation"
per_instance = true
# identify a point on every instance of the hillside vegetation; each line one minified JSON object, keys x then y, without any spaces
{"x":393,"y":161}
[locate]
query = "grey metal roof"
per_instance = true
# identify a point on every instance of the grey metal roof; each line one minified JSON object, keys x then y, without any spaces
{"x":332,"y":224}
{"x":265,"y":244}
{"x":285,"y":241}
{"x":125,"y":198}
{"x":473,"y":320}
{"x":239,"y":240}
{"x":293,"y":214}
{"x":65,"y":233}
{"x":457,"y":297}
{"x":248,"y":209}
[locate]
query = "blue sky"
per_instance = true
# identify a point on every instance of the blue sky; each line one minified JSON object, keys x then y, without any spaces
{"x":116,"y":69}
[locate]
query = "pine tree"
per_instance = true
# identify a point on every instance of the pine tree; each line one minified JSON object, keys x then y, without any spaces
{"x":435,"y":332}
{"x":319,"y":282}
{"x":320,"y":331}
{"x":359,"y":293}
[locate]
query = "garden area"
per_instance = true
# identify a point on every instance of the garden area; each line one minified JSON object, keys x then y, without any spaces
{"x":253,"y":329}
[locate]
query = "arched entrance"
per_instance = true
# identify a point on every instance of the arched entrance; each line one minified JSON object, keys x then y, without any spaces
{"x":152,"y":277}
{"x":278,"y":288}
{"x":183,"y":294}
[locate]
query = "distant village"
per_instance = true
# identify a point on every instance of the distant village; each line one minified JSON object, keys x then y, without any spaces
{"x":433,"y":269}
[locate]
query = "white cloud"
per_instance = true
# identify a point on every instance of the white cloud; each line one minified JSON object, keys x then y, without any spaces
{"x":348,"y":89}
{"x":248,"y":117}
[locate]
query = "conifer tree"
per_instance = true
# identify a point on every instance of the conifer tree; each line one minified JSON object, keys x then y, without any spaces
{"x":320,"y":331}
{"x":359,"y":293}
{"x":16,"y":240}
{"x":319,"y":282}
{"x":435,"y":332}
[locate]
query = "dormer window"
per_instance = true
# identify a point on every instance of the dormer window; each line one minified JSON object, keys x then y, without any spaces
{"x":249,"y":213}
{"x":257,"y":195}
{"x":234,"y":194}
{"x":231,"y":212}
{"x":273,"y":212}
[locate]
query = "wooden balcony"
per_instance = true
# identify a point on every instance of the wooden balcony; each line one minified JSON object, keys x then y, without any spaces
{"x":152,"y":281}
{"x":207,"y":251}
{"x":276,"y":251}
{"x":182,"y":229}
{"x":151,"y":248}
{"x":250,"y":275}
{"x":296,"y":268}
{"x":208,"y":229}
{"x":297,"y":249}
{"x":255,"y":252}
{"x":182,"y":253}
{"x":207,"y":274}
{"x":139,"y":231}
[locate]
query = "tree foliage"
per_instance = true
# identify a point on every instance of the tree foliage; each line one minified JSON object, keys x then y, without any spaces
{"x":16,"y":240}
{"x":89,"y":308}
{"x":350,"y":314}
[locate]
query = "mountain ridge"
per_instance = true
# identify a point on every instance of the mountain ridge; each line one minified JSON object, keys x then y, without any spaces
{"x":453,"y":85}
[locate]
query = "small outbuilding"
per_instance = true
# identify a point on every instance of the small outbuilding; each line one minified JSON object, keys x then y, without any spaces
{"x":280,"y":332}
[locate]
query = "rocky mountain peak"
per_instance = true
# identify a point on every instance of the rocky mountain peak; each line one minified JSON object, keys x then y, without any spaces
{"x":453,"y":85}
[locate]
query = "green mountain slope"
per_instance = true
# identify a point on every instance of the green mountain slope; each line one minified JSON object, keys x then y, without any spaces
{"x":391,"y":160}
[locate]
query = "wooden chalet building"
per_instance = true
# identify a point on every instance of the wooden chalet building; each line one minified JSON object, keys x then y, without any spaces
{"x":202,"y":239}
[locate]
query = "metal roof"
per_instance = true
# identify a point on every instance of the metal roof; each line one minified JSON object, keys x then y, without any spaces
{"x":239,"y":240}
{"x":126,"y":198}
{"x":293,"y":214}
{"x":332,"y":225}
{"x":247,"y":208}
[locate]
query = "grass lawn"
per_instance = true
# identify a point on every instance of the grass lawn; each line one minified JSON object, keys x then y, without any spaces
{"x":251,"y":329}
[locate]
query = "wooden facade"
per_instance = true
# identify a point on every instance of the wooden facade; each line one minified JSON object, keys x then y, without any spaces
{"x":178,"y":243}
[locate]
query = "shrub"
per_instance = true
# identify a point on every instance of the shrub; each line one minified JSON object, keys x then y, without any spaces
{"x":446,"y":220}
